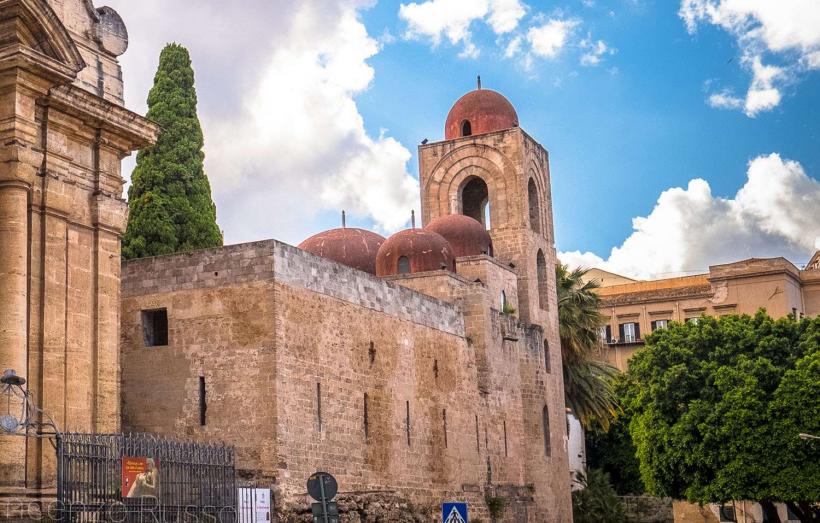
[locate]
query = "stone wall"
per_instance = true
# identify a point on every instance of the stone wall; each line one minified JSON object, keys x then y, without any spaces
{"x":292,"y":347}
{"x":61,"y":218}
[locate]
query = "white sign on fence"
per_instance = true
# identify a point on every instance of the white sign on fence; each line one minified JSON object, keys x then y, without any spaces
{"x":254,"y":505}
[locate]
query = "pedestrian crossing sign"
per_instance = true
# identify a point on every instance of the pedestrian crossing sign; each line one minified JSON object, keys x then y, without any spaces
{"x":454,"y":512}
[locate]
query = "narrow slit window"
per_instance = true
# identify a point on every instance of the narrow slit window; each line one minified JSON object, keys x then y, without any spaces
{"x":407,"y":422}
{"x":477,"y":440}
{"x":547,"y":356}
{"x":545,"y":413}
{"x":319,"y":405}
{"x":155,"y":327}
{"x":366,"y":420}
{"x":203,"y":405}
{"x":504,"y":422}
{"x":444,"y":423}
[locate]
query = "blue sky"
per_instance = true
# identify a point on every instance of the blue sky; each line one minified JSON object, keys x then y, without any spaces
{"x":623,"y":130}
{"x":618,"y":134}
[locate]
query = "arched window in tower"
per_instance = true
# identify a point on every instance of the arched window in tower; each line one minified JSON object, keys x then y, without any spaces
{"x":475,"y":200}
{"x":466,"y":128}
{"x":543,"y":286}
{"x":404,"y":265}
{"x":535,"y":206}
{"x":545,"y":414}
{"x":503,"y":301}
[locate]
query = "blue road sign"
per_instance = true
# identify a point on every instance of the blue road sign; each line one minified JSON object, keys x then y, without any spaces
{"x":454,"y":512}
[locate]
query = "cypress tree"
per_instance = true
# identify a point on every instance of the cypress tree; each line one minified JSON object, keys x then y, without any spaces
{"x":170,"y":197}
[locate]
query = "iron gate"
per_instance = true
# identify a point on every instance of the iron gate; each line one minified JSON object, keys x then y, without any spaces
{"x":141,"y":477}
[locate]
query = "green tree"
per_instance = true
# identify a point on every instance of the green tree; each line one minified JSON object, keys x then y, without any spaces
{"x":597,"y":501}
{"x":719,"y":407}
{"x":612,"y":450}
{"x":170,"y":197}
{"x":587,"y":380}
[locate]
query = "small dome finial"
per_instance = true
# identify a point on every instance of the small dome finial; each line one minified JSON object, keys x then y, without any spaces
{"x":344,"y":221}
{"x":478,"y":82}
{"x":412,"y":219}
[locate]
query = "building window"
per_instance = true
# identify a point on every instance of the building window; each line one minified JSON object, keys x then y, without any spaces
{"x":407,"y":422}
{"x":503,"y":301}
{"x":366,"y":419}
{"x":605,"y":333}
{"x":444,"y":422}
{"x":475,"y":200}
{"x":155,"y":327}
{"x":547,"y":356}
{"x":203,"y":406}
{"x":543,"y":286}
{"x":535,"y":206}
{"x":477,"y":441}
{"x":319,"y":405}
{"x":545,"y":414}
{"x":466,"y":128}
{"x":693,"y":321}
{"x":404,"y":265}
{"x":506,"y":453}
{"x":630,"y":332}
{"x":659,"y":324}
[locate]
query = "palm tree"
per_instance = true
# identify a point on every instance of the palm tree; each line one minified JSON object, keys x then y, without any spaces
{"x":588,"y":381}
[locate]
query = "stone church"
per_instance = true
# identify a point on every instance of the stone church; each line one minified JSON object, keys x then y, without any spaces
{"x":426,"y":364}
{"x":423,"y":367}
{"x":63,"y":133}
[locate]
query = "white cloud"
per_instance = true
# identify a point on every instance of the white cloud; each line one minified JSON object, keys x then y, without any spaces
{"x":451,"y":20}
{"x":513,"y":47}
{"x":596,"y":50}
{"x":725,"y":100}
{"x":788,"y":30}
{"x":284,"y":138}
{"x":762,"y":94}
{"x":548,"y":39}
{"x":773,"y":214}
{"x":505,"y":15}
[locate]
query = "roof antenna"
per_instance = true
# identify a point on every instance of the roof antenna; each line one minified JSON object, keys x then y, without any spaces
{"x":479,"y":82}
{"x":343,"y":219}
{"x":413,"y":219}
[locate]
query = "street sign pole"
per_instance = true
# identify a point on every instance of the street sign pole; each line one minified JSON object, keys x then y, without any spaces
{"x":324,"y":499}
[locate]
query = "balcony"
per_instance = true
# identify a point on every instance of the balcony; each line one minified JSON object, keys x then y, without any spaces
{"x":626,"y":342}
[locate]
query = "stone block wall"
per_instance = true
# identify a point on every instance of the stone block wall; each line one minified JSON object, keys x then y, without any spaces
{"x":61,"y":218}
{"x":310,"y":365}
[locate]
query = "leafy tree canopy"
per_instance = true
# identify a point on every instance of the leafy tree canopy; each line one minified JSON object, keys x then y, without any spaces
{"x":718,"y":405}
{"x":612,"y":450}
{"x":170,"y":198}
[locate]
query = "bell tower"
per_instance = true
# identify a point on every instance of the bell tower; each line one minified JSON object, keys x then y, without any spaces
{"x":488,"y":168}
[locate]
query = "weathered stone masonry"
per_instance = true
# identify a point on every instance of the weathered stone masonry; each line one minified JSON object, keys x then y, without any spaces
{"x":293,"y":346}
{"x":63,"y":132}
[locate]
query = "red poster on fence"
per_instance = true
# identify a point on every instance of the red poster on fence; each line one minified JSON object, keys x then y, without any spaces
{"x":140,"y":477}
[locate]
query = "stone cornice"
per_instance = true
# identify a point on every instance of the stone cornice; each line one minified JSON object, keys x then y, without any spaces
{"x":18,"y":56}
{"x":33,"y":25}
{"x":135,"y":130}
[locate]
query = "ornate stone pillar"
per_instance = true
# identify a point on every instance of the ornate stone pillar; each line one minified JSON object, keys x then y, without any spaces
{"x":14,"y":233}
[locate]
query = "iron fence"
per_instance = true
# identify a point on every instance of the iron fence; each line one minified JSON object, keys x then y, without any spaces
{"x":131,"y":478}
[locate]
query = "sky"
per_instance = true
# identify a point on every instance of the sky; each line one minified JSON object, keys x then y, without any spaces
{"x":682,"y":134}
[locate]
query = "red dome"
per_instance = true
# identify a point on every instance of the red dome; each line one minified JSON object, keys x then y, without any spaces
{"x":482,"y":111}
{"x":353,"y":247}
{"x":466,"y":236}
{"x":416,"y":250}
